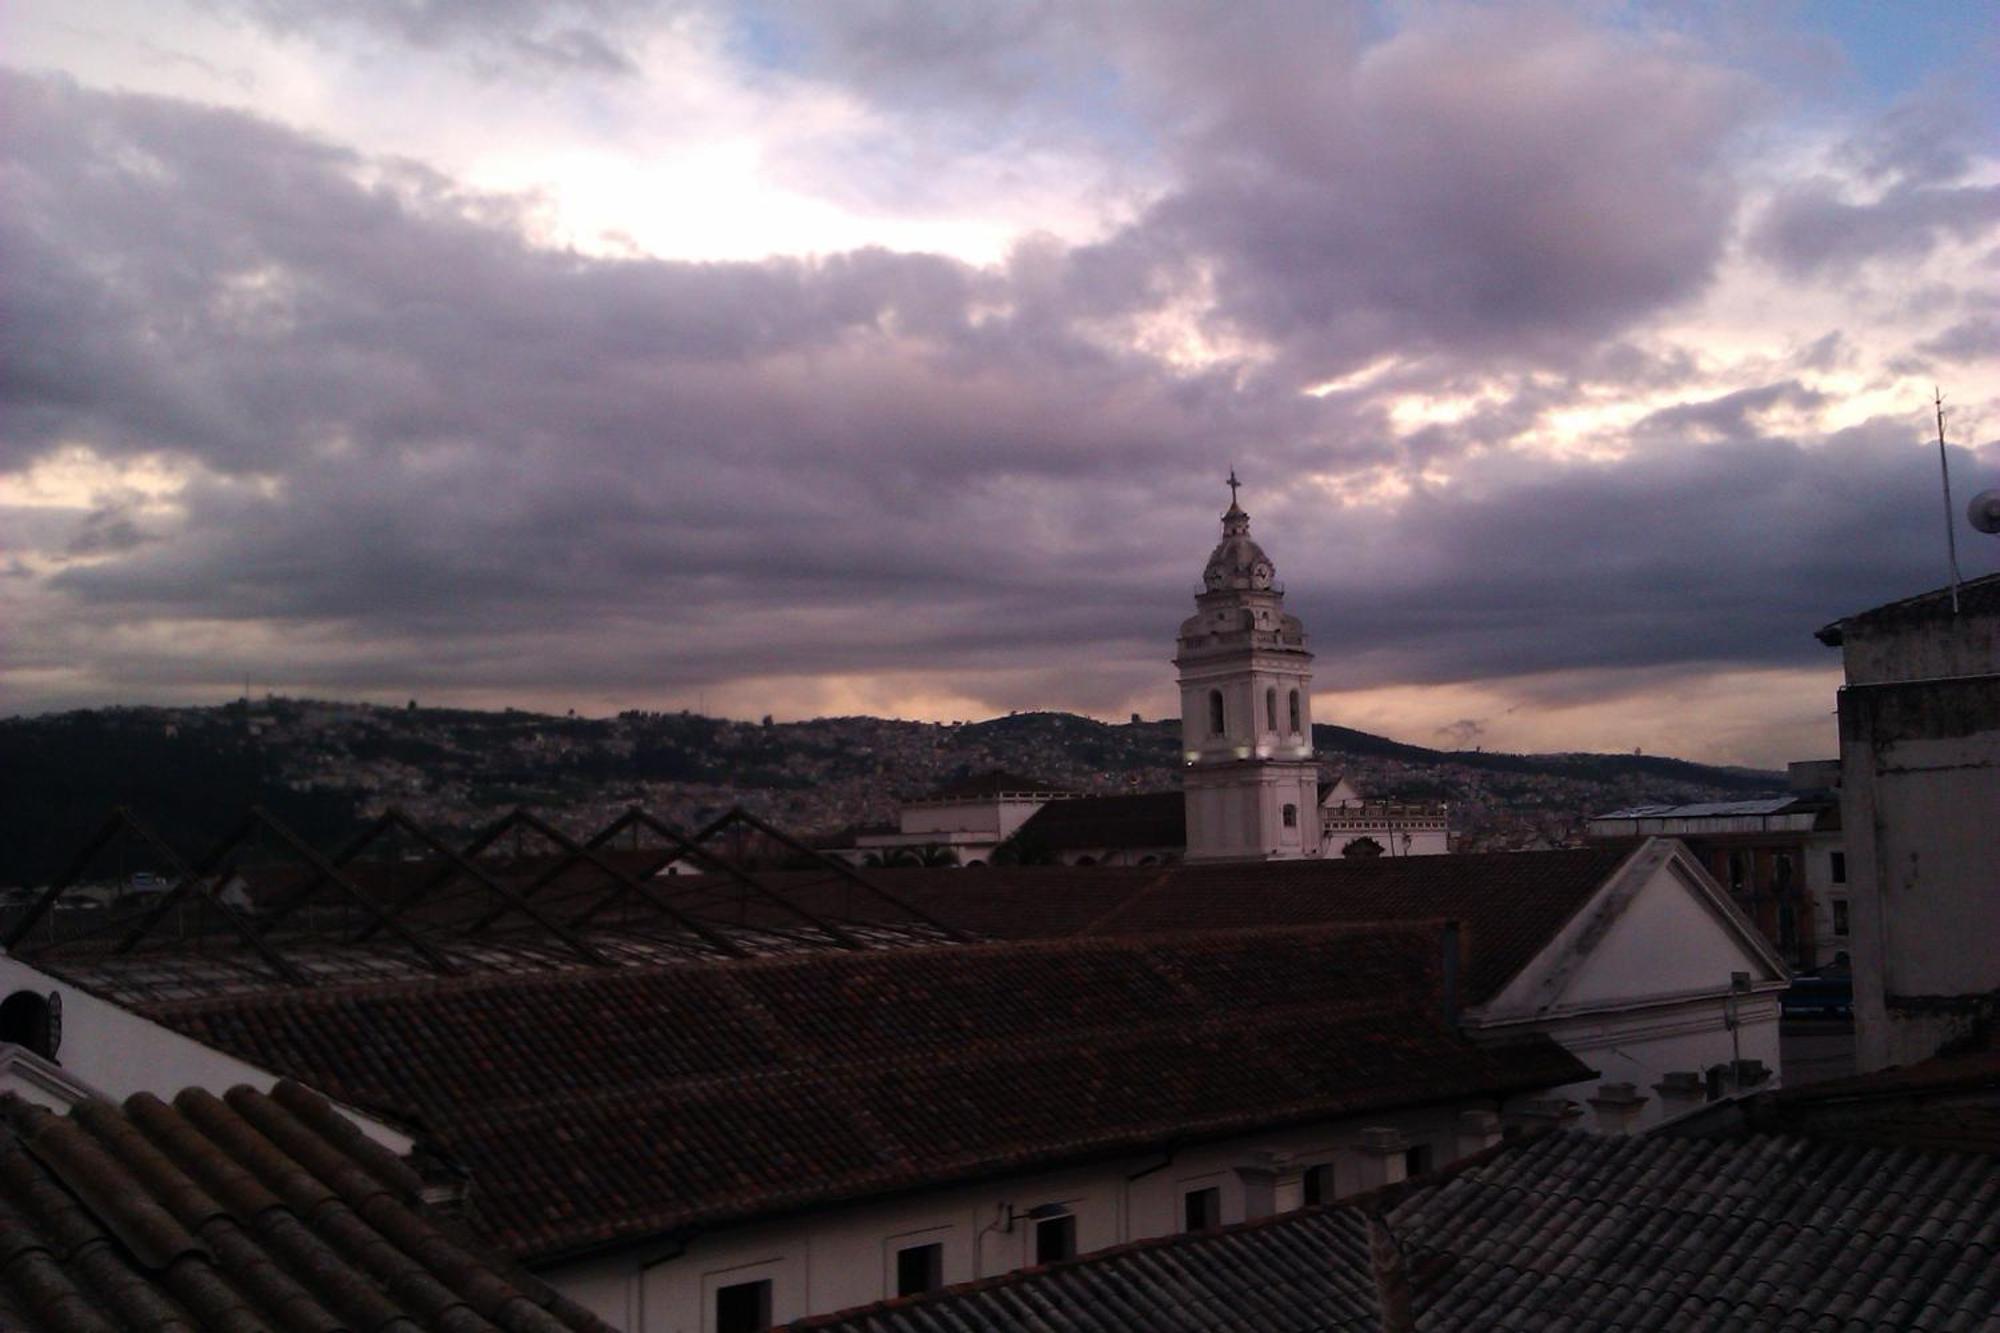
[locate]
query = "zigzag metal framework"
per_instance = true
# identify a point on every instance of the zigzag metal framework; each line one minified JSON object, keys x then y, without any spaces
{"x":445,"y":911}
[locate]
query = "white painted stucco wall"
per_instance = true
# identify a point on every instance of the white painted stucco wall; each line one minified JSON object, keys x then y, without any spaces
{"x":1639,"y":984}
{"x":117,"y":1053}
{"x":844,"y":1257}
{"x":1920,"y":782}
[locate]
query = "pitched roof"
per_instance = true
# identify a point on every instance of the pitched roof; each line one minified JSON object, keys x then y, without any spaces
{"x":239,"y":1213}
{"x":598,"y":1107}
{"x":1980,"y":596}
{"x":1143,"y":819}
{"x":1568,"y":1231}
{"x":1510,"y":904}
{"x":1761,"y":1232}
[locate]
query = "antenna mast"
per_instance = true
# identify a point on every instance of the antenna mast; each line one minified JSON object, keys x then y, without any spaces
{"x":1944,"y":467}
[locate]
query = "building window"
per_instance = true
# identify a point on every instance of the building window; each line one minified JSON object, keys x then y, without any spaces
{"x":1319,"y":1184}
{"x":1295,"y":712}
{"x":1215,"y":718}
{"x":919,"y":1268}
{"x":744,"y":1307}
{"x":1055,"y":1239}
{"x":1291,"y":816}
{"x":1736,"y":871}
{"x":1839,"y":860}
{"x":1417,"y":1159}
{"x":1839,"y":915}
{"x":33,"y":1021}
{"x":1270,"y":710}
{"x":1201,"y":1210}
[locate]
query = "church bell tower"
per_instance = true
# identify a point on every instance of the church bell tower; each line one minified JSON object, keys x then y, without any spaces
{"x":1252,"y":788}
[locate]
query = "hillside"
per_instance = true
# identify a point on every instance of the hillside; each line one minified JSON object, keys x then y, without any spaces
{"x":322,"y":767}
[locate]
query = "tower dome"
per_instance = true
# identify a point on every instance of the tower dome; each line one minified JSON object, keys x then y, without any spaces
{"x":1237,"y":561}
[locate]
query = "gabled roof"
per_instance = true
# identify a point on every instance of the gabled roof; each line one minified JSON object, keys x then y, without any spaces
{"x":1571,"y":1231}
{"x":593,"y":1108}
{"x":238,"y":1213}
{"x":1510,"y":904}
{"x":1980,"y":596}
{"x":1141,"y":820}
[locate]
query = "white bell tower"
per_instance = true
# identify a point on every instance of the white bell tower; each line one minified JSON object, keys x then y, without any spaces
{"x":1252,"y":787}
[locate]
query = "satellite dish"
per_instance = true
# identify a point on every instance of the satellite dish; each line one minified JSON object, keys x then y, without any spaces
{"x":1984,"y":511}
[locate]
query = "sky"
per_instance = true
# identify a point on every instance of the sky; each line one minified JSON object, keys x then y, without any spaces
{"x":808,"y":359}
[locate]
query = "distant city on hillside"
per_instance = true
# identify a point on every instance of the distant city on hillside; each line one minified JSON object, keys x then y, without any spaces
{"x":326,"y":766}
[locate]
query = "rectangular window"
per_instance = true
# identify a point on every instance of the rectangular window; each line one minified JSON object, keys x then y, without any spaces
{"x":743,"y":1308}
{"x":1201,"y":1210}
{"x":1319,"y":1184}
{"x":1839,"y":860}
{"x":1055,"y":1239}
{"x":919,"y":1269}
{"x":1417,"y":1159}
{"x":1840,"y":916}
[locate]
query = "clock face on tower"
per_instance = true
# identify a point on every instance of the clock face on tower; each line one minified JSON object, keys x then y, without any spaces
{"x":1260,"y":575}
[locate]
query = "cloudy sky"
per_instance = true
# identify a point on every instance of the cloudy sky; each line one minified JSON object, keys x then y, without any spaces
{"x":888,"y":357}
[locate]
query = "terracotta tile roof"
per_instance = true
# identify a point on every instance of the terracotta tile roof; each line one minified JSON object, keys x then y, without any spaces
{"x":241,"y":1213}
{"x":1510,"y":904}
{"x":1571,"y":1231}
{"x":1142,"y":819}
{"x":597,"y":1107}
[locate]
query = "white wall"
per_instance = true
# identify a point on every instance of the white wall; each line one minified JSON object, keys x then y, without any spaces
{"x":1641,"y":1046}
{"x":844,"y":1257}
{"x":118,"y":1053}
{"x":1639,"y":983}
{"x":1920,"y":782}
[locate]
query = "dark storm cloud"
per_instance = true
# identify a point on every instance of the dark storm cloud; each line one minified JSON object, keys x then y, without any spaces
{"x":1811,"y":228}
{"x":1512,"y":185}
{"x":1725,"y":553}
{"x":1503,"y":182}
{"x":1732,"y":416}
{"x":559,"y":36}
{"x":1972,"y":339}
{"x":461,"y":458}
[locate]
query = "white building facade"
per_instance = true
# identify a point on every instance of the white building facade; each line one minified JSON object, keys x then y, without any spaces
{"x":1919,"y":795}
{"x":866,"y":1252}
{"x":1250,"y":783}
{"x":1350,"y":824}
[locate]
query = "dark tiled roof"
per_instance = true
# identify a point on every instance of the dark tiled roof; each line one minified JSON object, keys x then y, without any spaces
{"x":245,"y":1213}
{"x":1980,"y":596}
{"x":1511,"y":904}
{"x":595,"y":1107}
{"x":1298,"y":1274}
{"x":993,"y":783}
{"x":1572,"y":1231}
{"x":1950,"y":1105}
{"x":1756,"y":1233}
{"x":1145,"y":819}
